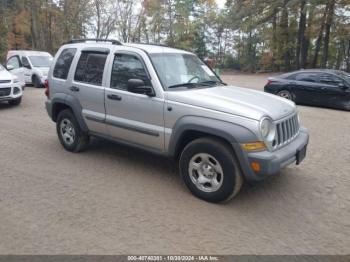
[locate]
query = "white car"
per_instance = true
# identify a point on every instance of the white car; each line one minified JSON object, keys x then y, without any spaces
{"x":30,"y":67}
{"x":11,"y":88}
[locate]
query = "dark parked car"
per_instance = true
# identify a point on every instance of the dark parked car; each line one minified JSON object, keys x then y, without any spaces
{"x":328,"y":88}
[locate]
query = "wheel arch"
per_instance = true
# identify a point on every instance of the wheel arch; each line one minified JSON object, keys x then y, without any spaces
{"x":188,"y":129}
{"x":61,"y":102}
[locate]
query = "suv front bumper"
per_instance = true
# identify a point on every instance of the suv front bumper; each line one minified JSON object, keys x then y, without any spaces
{"x":272,"y":162}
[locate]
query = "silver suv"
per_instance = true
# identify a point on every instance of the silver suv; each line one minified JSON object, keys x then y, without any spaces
{"x":168,"y":102}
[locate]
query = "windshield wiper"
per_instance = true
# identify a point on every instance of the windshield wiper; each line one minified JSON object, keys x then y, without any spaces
{"x":210,"y":83}
{"x":184,"y":85}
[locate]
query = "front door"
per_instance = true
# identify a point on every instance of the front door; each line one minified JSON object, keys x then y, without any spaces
{"x":27,"y":69}
{"x":332,"y":92}
{"x":15,"y":67}
{"x":131,"y":117}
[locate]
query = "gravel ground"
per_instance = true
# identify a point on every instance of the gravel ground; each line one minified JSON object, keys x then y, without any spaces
{"x":115,"y":200}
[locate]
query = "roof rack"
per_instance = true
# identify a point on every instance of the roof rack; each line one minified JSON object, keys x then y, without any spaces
{"x":112,"y":41}
{"x":152,"y":44}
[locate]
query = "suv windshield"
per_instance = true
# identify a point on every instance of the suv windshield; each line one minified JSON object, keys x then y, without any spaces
{"x":40,"y":61}
{"x":183,"y":70}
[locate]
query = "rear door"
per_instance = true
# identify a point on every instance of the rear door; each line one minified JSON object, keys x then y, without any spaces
{"x":131,"y":117}
{"x":306,"y":88}
{"x":88,"y":86}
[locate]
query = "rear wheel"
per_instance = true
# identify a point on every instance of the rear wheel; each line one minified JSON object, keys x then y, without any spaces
{"x":286,"y":94}
{"x":15,"y":102}
{"x":69,"y":132}
{"x":210,"y":171}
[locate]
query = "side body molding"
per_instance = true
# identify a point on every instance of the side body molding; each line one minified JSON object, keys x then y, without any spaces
{"x":73,"y":103}
{"x":231,"y":132}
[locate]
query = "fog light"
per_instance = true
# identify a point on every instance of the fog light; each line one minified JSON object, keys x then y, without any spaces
{"x":253,"y":146}
{"x":255,"y":166}
{"x":16,"y":90}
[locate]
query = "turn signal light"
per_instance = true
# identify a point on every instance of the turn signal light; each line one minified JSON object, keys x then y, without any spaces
{"x":255,"y":166}
{"x":253,"y":146}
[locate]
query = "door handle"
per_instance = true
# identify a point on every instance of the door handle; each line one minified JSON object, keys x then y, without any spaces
{"x":114,"y":97}
{"x":74,"y":89}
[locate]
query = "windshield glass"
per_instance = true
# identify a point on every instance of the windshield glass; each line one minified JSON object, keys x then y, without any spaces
{"x":175,"y":69}
{"x":344,"y":75}
{"x":40,"y":61}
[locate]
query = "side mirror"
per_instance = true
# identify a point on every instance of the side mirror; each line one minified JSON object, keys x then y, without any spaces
{"x":343,"y":86}
{"x":10,"y":67}
{"x":138,"y":86}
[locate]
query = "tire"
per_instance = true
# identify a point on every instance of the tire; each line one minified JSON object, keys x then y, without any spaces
{"x":286,"y":94}
{"x":15,"y":102}
{"x":36,"y":82}
{"x":69,"y":132}
{"x":201,"y":163}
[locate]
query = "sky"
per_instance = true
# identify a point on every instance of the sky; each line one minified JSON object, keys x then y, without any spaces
{"x":221,"y":3}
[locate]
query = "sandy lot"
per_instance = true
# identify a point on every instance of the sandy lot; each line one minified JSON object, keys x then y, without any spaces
{"x":115,"y":200}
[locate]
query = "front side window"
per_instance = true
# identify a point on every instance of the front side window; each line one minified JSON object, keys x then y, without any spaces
{"x":63,"y":63}
{"x":329,"y":79}
{"x":40,"y":61}
{"x":126,"y":67}
{"x":90,"y":68}
{"x":306,"y":77}
{"x":25,"y":62}
{"x":176,"y":69}
{"x":14,"y":62}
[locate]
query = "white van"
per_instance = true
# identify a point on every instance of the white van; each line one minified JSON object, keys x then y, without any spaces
{"x":30,"y":67}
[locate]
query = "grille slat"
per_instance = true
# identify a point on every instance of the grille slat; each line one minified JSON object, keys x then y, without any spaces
{"x":5,"y":91}
{"x":287,"y":130}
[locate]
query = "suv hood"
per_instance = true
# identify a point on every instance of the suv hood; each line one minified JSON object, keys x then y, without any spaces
{"x":235,"y":100}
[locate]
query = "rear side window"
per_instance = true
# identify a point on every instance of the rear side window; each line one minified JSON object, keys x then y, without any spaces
{"x":63,"y":63}
{"x":329,"y":79}
{"x":90,"y":68}
{"x":306,"y":77}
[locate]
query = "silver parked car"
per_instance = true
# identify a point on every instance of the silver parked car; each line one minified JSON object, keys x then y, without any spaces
{"x":168,"y":102}
{"x":11,"y":88}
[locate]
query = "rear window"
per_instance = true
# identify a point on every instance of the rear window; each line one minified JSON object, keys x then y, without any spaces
{"x":63,"y":63}
{"x":90,"y":68}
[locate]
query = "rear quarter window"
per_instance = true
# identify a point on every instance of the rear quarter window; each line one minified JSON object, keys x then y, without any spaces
{"x":63,"y":63}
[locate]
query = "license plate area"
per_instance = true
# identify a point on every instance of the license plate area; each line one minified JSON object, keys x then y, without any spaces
{"x":301,"y":154}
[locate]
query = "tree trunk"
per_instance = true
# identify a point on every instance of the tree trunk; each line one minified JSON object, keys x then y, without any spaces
{"x":319,"y":38}
{"x":274,"y":40}
{"x":329,"y":21}
{"x":301,"y":33}
{"x":285,"y":38}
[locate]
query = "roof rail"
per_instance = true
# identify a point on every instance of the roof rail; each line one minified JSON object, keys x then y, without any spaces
{"x":76,"y":41}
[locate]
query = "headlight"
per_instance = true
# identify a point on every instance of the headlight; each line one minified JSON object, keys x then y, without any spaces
{"x":15,"y":81}
{"x":267,"y":130}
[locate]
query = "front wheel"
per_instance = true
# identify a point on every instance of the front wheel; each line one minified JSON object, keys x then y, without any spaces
{"x":210,"y":171}
{"x":36,"y":82}
{"x":69,"y":132}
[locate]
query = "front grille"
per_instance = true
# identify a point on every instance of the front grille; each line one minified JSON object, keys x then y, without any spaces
{"x":5,"y":81}
{"x":287,"y":130}
{"x":5,"y":91}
